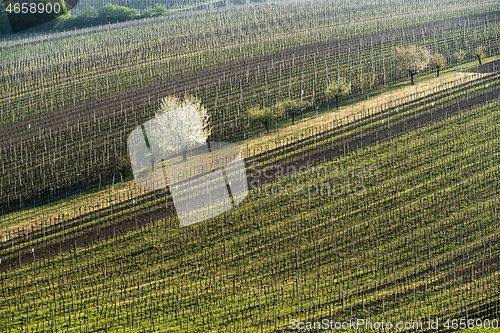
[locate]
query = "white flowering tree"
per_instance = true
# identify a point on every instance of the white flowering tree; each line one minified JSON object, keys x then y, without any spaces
{"x":180,"y":125}
{"x":412,"y":59}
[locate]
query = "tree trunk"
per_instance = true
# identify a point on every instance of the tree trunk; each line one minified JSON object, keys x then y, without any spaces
{"x":267,"y":127}
{"x":293,"y":118}
{"x":479,"y":58}
{"x":437,"y":72}
{"x":337,"y":101}
{"x":184,"y":155}
{"x":411,"y":77}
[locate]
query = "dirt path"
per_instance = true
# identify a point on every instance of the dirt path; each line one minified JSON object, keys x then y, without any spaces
{"x":345,"y":113}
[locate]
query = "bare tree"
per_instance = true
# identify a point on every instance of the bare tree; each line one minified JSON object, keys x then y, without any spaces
{"x":437,"y":61}
{"x":412,"y":59}
{"x":338,"y":89}
{"x":479,"y":53}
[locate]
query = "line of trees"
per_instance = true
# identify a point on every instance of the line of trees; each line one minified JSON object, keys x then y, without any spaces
{"x":90,"y":17}
{"x":108,"y":14}
{"x":267,"y":115}
{"x":411,"y":60}
{"x":414,"y":59}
